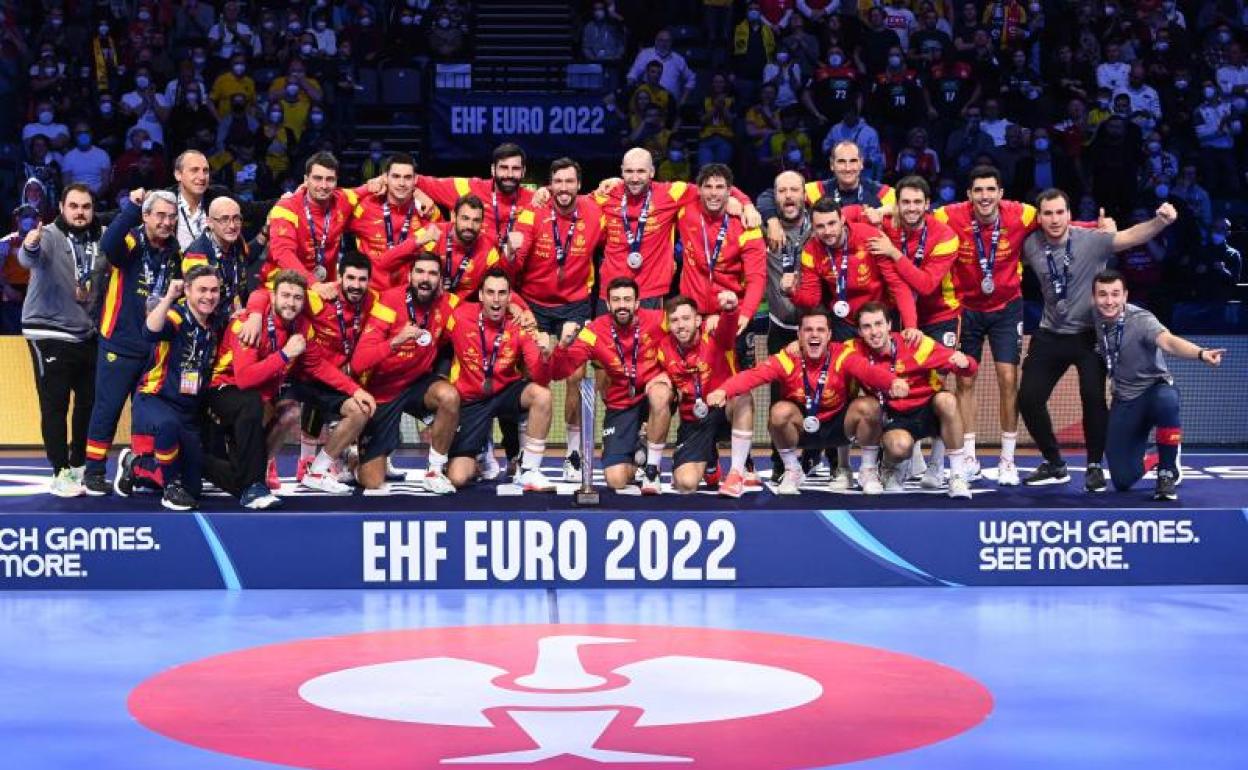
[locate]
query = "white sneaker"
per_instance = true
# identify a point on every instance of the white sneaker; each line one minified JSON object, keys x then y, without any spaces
{"x":973,"y":471}
{"x":916,"y":467}
{"x":65,"y":485}
{"x":791,"y":482}
{"x":78,"y":472}
{"x":650,"y":484}
{"x":842,"y":479}
{"x":572,"y":468}
{"x":343,"y":473}
{"x":933,"y":478}
{"x":437,"y":483}
{"x":894,"y":478}
{"x":393,"y":473}
{"x":264,"y":503}
{"x":488,"y":466}
{"x":959,"y":487}
{"x":869,"y":480}
{"x":325,"y":482}
{"x":533,"y":480}
{"x":1007,"y":473}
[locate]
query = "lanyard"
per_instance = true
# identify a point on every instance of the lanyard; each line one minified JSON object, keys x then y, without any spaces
{"x":84,"y":259}
{"x":892,"y":367}
{"x":498,"y":222}
{"x":318,"y":244}
{"x":1113,"y":351}
{"x":449,"y":282}
{"x":194,"y":359}
{"x":712,"y":257}
{"x":694,"y":373}
{"x":488,"y":363}
{"x":918,"y":252}
{"x":270,"y":325}
{"x":989,"y":259}
{"x":194,"y":225}
{"x":840,"y":197}
{"x":842,"y":270}
{"x":788,"y":252}
{"x":635,"y":237}
{"x":629,"y":373}
{"x":232,"y":273}
{"x":154,"y":281}
{"x":813,"y":401}
{"x":407,"y":223}
{"x":563,"y":248}
{"x":411,"y":310}
{"x":1062,"y":282}
{"x":348,"y":343}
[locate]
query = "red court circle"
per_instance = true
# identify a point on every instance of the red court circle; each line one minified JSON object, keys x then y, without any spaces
{"x":872,"y":702}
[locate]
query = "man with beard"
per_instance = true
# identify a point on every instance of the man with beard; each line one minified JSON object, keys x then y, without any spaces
{"x":143,"y":254}
{"x":815,"y":412}
{"x":166,"y":449}
{"x":489,"y":350}
{"x":625,"y":344}
{"x":847,"y":188}
{"x":923,"y":250}
{"x":397,"y":357}
{"x":59,"y":326}
{"x":509,"y":203}
{"x":927,"y":409}
{"x":385,"y":219}
{"x":555,"y":273}
{"x":698,"y":359}
{"x":326,"y":384}
{"x":246,"y":398}
{"x":222,"y":248}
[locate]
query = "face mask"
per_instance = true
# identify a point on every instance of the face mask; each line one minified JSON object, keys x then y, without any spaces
{"x":49,"y":72}
{"x":316,"y":118}
{"x":946,"y":193}
{"x":1110,"y":10}
{"x":145,"y":16}
{"x":1042,"y":145}
{"x":294,"y":27}
{"x":83,"y":139}
{"x":835,"y":60}
{"x":238,"y":70}
{"x":305,"y":49}
{"x":320,"y":26}
{"x":275,"y":117}
{"x":782,"y":57}
{"x":1034,"y":8}
{"x":1181,"y":85}
{"x":754,"y":16}
{"x":146,"y":145}
{"x":268,"y":26}
{"x":25,"y":224}
{"x":1210,"y":92}
{"x":1154,"y":147}
{"x":192,"y":98}
{"x":106,"y":108}
{"x":676,"y":156}
{"x":908,"y":163}
{"x":444,"y":22}
{"x":1162,"y":191}
{"x":103,"y":30}
{"x":894,"y":62}
{"x":407,"y":21}
{"x":1168,"y":6}
{"x":142,"y":81}
{"x":366,"y":22}
{"x":1217,"y":238}
{"x":57,"y":21}
{"x":794,"y":156}
{"x":600,"y":14}
{"x":1162,"y":46}
{"x":1224,"y":37}
{"x":45,"y":117}
{"x":292,"y":91}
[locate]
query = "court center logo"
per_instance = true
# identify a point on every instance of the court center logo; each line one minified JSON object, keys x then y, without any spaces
{"x":561,"y":696}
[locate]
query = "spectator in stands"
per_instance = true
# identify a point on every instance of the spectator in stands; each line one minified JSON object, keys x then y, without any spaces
{"x":654,"y":93}
{"x":719,"y":117}
{"x":651,"y":133}
{"x":106,"y":64}
{"x":790,"y":146}
{"x":46,"y":125}
{"x":231,"y":35}
{"x":192,"y":21}
{"x":1223,"y":252}
{"x":1113,"y":72}
{"x":1068,"y":77}
{"x":854,"y":128}
{"x":141,"y":165}
{"x":786,"y":75}
{"x":108,"y":127}
{"x":753,"y":46}
{"x":235,"y":81}
{"x":277,"y":141}
{"x":602,"y":37}
{"x":1232,"y":76}
{"x":1021,"y":90}
{"x":1216,"y":128}
{"x":833,"y":88}
{"x":326,"y":40}
{"x":994,"y":124}
{"x":717,"y":29}
{"x":677,"y":77}
{"x":901,"y":20}
{"x":192,"y":113}
{"x":314,"y":136}
{"x":42,"y":165}
{"x":86,"y":163}
{"x":1006,"y":21}
{"x":295,"y":92}
{"x":47,"y":78}
{"x":801,"y":45}
{"x":1160,"y":165}
{"x":13,"y":277}
{"x":1114,"y":156}
{"x":762,"y":121}
{"x":1142,"y":96}
{"x":1043,"y":168}
{"x":447,"y":39}
{"x":1188,"y":190}
{"x":930,"y":40}
{"x":878,"y":42}
{"x":917,"y":158}
{"x":967,"y":142}
{"x":675,"y":165}
{"x":147,"y":105}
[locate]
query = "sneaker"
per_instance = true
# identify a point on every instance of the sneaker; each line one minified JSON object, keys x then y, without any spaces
{"x":733,"y":485}
{"x":65,"y":485}
{"x":752,"y":481}
{"x":302,"y":468}
{"x":176,"y":498}
{"x":1167,"y":482}
{"x":572,"y":468}
{"x":78,"y":471}
{"x":123,"y":482}
{"x":533,"y":480}
{"x":974,"y":472}
{"x":487,"y":465}
{"x":713,"y":476}
{"x":841,"y":480}
{"x":1007,"y":473}
{"x":393,"y":473}
{"x":791,"y":482}
{"x":933,"y":478}
{"x":343,"y":473}
{"x":437,"y":483}
{"x":650,"y":481}
{"x":95,"y":484}
{"x":271,"y":479}
{"x":869,"y":480}
{"x":1047,"y":473}
{"x":959,"y":487}
{"x":325,"y":482}
{"x":1094,"y":478}
{"x":258,"y":498}
{"x":917,"y":467}
{"x":893,"y":478}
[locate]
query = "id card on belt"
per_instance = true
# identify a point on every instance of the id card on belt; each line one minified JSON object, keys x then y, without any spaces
{"x":189,"y":384}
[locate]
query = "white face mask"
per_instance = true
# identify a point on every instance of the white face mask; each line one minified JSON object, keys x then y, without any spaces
{"x":142,"y":81}
{"x":45,"y":117}
{"x":238,"y":69}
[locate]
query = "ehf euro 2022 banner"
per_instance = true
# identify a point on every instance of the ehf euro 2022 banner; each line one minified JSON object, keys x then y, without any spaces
{"x":617,"y":549}
{"x":464,"y":125}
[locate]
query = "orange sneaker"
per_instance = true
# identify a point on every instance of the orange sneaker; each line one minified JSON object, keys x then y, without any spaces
{"x":733,"y":485}
{"x":271,"y":479}
{"x":302,"y":468}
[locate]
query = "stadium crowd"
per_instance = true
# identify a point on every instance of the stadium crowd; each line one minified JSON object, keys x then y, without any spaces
{"x":909,"y":158}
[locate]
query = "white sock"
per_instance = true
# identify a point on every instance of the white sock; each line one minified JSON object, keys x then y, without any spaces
{"x":654,"y":453}
{"x":437,"y":460}
{"x":790,"y":459}
{"x":870,"y":456}
{"x":741,"y":440}
{"x":968,"y":443}
{"x":1008,"y":442}
{"x":322,"y":463}
{"x":488,"y":452}
{"x":534,"y":451}
{"x":938,"y":454}
{"x":574,"y":440}
{"x":957,"y":462}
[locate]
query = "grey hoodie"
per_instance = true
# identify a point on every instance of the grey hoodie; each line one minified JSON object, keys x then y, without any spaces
{"x":51,"y":309}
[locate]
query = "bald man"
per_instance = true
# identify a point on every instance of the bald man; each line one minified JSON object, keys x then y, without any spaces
{"x":221,"y":246}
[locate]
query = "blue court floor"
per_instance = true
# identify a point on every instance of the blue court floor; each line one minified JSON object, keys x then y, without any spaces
{"x":1148,"y":678}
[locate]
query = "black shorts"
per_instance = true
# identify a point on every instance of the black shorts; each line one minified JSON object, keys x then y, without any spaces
{"x":697,"y":442}
{"x":946,"y":333}
{"x":621,"y":429}
{"x":476,"y":419}
{"x":919,"y":423}
{"x":552,"y":319}
{"x":650,"y":303}
{"x":831,"y":433}
{"x":1002,"y":328}
{"x":381,"y":434}
{"x":320,"y":397}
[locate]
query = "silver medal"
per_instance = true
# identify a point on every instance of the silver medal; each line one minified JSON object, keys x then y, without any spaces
{"x":634,"y":260}
{"x":424,"y":338}
{"x":320,"y":272}
{"x":700,"y":409}
{"x":841,"y":308}
{"x":1061,"y":307}
{"x":988,"y":285}
{"x":811,"y":424}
